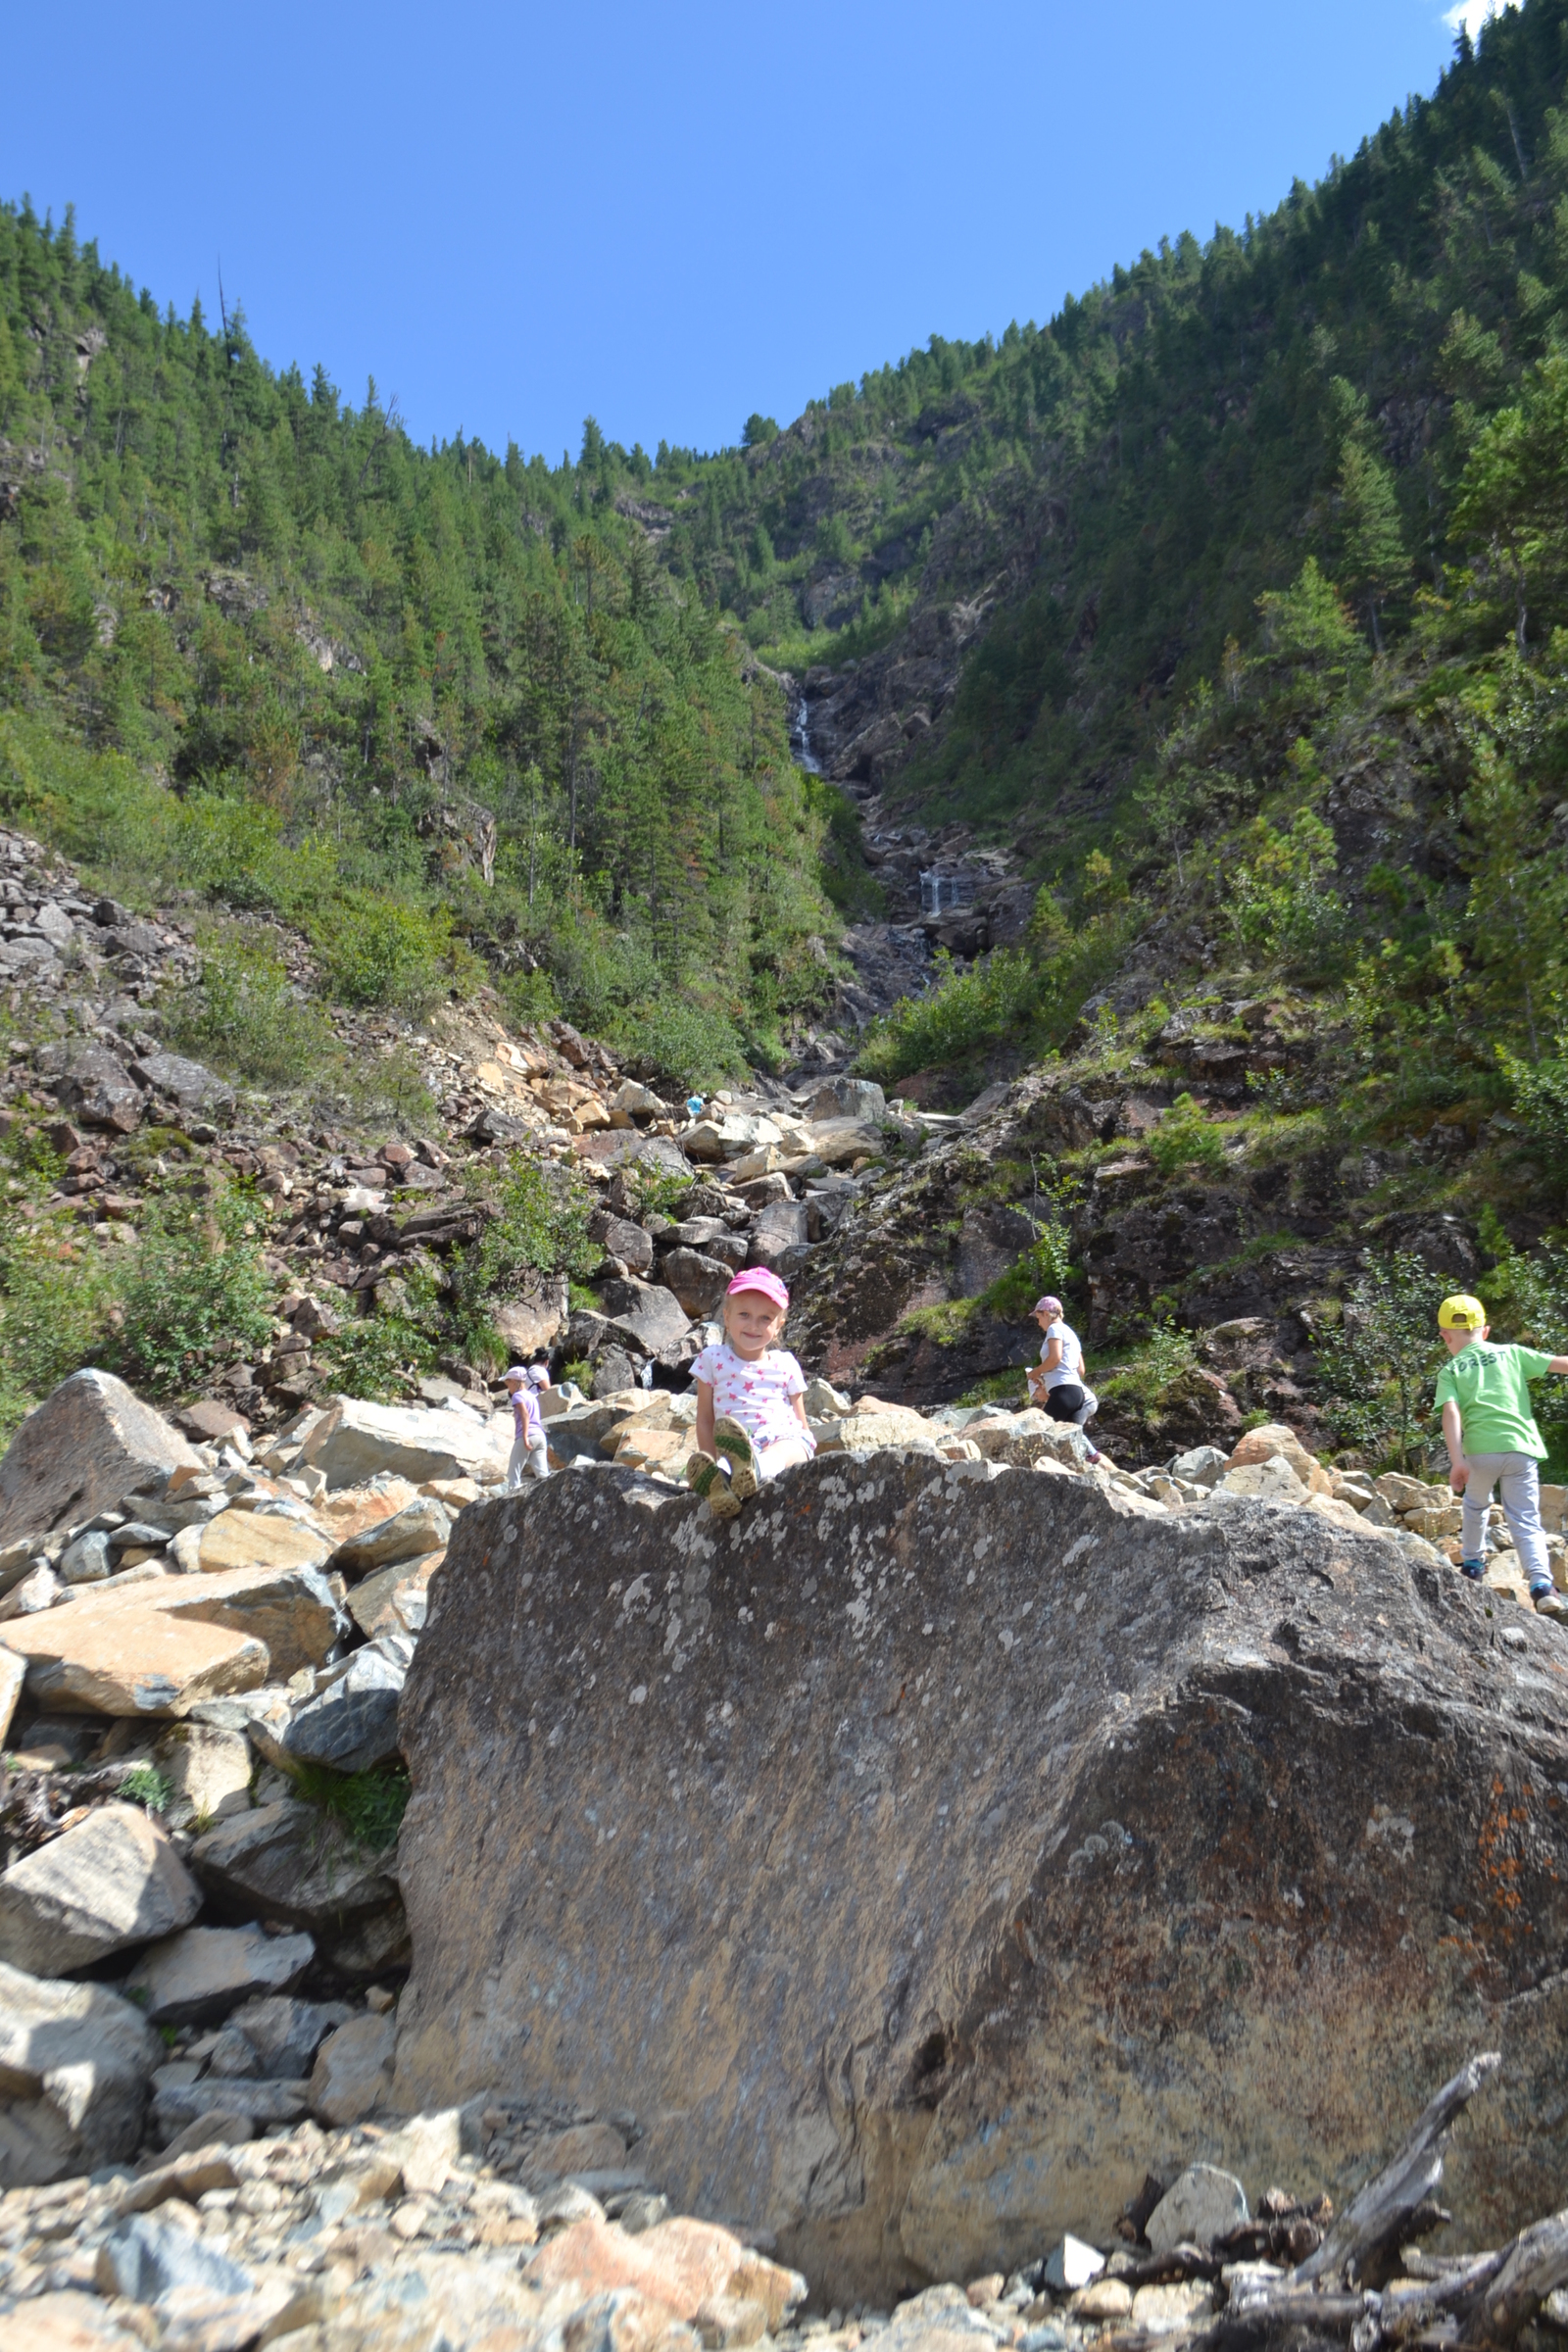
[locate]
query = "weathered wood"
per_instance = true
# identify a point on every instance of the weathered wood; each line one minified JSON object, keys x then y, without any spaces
{"x":1534,"y":2265}
{"x":1372,"y":2225}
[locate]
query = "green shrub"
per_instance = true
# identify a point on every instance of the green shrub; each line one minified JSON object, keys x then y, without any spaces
{"x":56,"y":1295}
{"x":1185,"y":1138}
{"x":377,"y":1357}
{"x":245,"y":1016}
{"x":542,"y":1228}
{"x":1378,"y":1367}
{"x":1540,"y":1092}
{"x":960,"y":1012}
{"x":690,"y":1045}
{"x":377,"y":953}
{"x":195,"y":1292}
{"x":1044,"y":1267}
{"x":1151,"y":1382}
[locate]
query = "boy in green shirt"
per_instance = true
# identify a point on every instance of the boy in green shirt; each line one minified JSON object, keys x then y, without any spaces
{"x":1489,"y":1429}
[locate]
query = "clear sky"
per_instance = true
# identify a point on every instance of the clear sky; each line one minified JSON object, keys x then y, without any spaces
{"x":671,"y":216}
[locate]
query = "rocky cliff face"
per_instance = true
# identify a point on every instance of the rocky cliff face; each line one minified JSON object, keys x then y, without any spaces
{"x":932,"y":1852}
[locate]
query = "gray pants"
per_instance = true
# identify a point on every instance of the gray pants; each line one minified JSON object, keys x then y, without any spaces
{"x":1520,"y":1481}
{"x":534,"y":1458}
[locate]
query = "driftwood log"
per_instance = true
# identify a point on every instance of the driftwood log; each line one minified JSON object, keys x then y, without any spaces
{"x":1363,"y":2244}
{"x":1365,"y":2284}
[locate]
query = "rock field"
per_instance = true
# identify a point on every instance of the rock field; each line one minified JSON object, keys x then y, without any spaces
{"x":956,"y":1869}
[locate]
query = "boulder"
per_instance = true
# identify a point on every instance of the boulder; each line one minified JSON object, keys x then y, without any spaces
{"x":408,"y":1534}
{"x":177,"y":2106}
{"x":144,"y":2258}
{"x":96,"y":1088}
{"x":847,"y":1099}
{"x":696,"y":1281}
{"x":354,"y":1441}
{"x":353,"y":1723}
{"x":76,"y":2060}
{"x":197,"y":1977}
{"x":1201,"y":1465}
{"x":209,"y":1774}
{"x":395,"y":1599}
{"x":1274,"y":1442}
{"x":65,"y":2320}
{"x":257,"y":1540}
{"x":1203,"y":2203}
{"x":780,"y":1237}
{"x":114,"y":1880}
{"x":646,"y":1314}
{"x":680,"y":2263}
{"x":163,"y":1646}
{"x":89,"y":1443}
{"x":529,"y":1322}
{"x":287,"y":2034}
{"x":292,"y":1861}
{"x":1271,"y":1479}
{"x":353,"y":2073}
{"x":1107,"y":1839}
{"x":728,"y":1136}
{"x":838,"y":1143}
{"x":189,"y":1085}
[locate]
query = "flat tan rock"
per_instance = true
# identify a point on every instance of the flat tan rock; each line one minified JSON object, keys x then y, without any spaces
{"x":395,"y":1599}
{"x":162,"y":1647}
{"x":260,"y":1539}
{"x":680,"y":2263}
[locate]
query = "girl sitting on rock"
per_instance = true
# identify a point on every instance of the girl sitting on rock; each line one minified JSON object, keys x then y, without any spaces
{"x":750,"y":1420}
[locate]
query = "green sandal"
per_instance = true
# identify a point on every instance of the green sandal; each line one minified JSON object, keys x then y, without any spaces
{"x":733,"y":1443}
{"x":705,"y":1478}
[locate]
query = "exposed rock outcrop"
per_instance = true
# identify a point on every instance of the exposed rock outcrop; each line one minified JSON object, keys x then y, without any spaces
{"x":933,"y":1851}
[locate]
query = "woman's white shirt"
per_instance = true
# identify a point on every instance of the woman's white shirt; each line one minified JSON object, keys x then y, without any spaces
{"x":1071,"y":1367}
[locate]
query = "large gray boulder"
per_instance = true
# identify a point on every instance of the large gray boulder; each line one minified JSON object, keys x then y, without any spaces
{"x":113,"y":1881}
{"x":293,"y":1862}
{"x":76,"y":2062}
{"x":929,"y":1854}
{"x":78,"y":1454}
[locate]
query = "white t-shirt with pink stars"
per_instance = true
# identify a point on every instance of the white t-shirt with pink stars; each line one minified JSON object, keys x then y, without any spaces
{"x":758,"y":1394}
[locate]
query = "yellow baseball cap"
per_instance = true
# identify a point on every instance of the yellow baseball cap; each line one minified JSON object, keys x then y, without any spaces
{"x":1461,"y":1314}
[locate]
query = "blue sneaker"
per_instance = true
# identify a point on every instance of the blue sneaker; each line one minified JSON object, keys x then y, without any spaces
{"x":1475,"y":1570}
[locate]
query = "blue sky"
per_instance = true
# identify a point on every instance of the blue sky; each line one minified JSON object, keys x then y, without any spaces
{"x":514,"y":214}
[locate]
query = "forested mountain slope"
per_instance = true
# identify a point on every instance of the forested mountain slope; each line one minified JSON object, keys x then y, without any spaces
{"x":433,"y":705}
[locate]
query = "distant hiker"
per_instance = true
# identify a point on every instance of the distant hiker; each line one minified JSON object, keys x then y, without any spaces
{"x":1489,"y":1426}
{"x":1058,"y":1387}
{"x":694,"y":1106}
{"x":750,"y":1420}
{"x":529,"y":1449}
{"x":537,"y":1370}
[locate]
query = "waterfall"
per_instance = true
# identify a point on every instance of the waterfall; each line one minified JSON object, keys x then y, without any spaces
{"x":804,"y":757}
{"x":940,"y":894}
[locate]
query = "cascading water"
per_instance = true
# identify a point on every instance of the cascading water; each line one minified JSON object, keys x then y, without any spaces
{"x":804,"y":757}
{"x":942,"y":894}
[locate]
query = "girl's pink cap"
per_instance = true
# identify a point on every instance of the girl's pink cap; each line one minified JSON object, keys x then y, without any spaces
{"x":1046,"y":1307}
{"x":758,"y":1278}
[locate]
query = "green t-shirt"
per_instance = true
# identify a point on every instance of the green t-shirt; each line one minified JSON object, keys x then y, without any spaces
{"x":1491,"y":1386}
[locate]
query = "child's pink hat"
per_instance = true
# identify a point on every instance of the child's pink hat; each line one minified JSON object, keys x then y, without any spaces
{"x":758,"y":1278}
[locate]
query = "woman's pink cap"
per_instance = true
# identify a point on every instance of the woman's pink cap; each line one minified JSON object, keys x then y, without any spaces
{"x":1046,"y":1307}
{"x":758,"y":1278}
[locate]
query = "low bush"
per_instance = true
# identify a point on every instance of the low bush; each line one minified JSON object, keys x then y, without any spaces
{"x":375,"y":952}
{"x":245,"y":1016}
{"x":195,"y":1291}
{"x":1185,"y":1138}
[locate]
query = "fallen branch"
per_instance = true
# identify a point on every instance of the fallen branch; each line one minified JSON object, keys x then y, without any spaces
{"x":1370,"y":2230}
